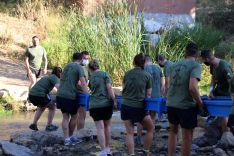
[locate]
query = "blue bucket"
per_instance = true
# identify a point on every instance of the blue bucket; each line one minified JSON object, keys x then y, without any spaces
{"x":119,"y":101}
{"x":156,"y":104}
{"x":83,"y":100}
{"x":218,"y":107}
{"x":204,"y":97}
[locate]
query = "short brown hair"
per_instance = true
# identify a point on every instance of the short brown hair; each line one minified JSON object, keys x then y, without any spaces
{"x":139,"y":60}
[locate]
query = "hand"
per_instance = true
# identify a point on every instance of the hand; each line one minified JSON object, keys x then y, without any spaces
{"x":44,"y":71}
{"x":115,"y":104}
{"x":203,"y":112}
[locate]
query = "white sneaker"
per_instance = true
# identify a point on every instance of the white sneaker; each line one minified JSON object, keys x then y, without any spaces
{"x":102,"y":153}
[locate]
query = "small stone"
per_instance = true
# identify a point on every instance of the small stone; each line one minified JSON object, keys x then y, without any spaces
{"x":220,"y":152}
{"x":205,"y":149}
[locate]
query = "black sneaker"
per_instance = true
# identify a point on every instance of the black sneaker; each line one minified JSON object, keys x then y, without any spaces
{"x":33,"y":127}
{"x":51,"y":128}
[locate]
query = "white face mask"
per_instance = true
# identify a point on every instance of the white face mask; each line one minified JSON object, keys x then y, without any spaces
{"x":85,"y":62}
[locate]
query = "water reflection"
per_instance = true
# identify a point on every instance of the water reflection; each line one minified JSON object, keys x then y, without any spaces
{"x":20,"y":121}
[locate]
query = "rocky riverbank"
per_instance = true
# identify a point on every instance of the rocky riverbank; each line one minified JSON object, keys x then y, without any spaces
{"x":41,"y":143}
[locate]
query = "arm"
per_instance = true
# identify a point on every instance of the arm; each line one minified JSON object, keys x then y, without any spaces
{"x":166,"y":84}
{"x":212,"y":84}
{"x":27,"y":66}
{"x":111,"y":93}
{"x":83,"y":85}
{"x":148,"y":93}
{"x":193,"y":89}
{"x":162,"y":86}
{"x":46,"y":63}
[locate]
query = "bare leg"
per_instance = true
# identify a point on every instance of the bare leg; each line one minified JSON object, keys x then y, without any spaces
{"x":100,"y":133}
{"x":224,"y":124}
{"x":32,"y":79}
{"x":72,"y":124}
{"x":187,"y":135}
{"x":148,"y":124}
{"x":51,"y":113}
{"x":81,"y":118}
{"x":107,"y":131}
{"x":65,"y":123}
{"x":129,"y":136}
{"x":38,"y":113}
{"x":153,"y":115}
{"x":172,"y":140}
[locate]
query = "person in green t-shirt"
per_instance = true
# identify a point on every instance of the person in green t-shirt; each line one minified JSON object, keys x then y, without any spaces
{"x":157,"y":90}
{"x":137,"y":85}
{"x":165,"y":64}
{"x":101,"y":104}
{"x":33,"y":60}
{"x":39,"y":96}
{"x":72,"y":77}
{"x":230,"y":123}
{"x":220,"y":71}
{"x":82,"y":110}
{"x":183,"y":99}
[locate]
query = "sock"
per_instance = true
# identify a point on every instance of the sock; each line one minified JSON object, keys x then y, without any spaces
{"x":131,"y":154}
{"x":67,"y":139}
{"x":107,"y":149}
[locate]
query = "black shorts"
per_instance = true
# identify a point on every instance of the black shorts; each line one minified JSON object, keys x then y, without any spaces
{"x":67,"y":105}
{"x":36,"y":72}
{"x":186,"y":118}
{"x":231,"y":121}
{"x":104,"y":113}
{"x":39,"y":101}
{"x":133,"y":114}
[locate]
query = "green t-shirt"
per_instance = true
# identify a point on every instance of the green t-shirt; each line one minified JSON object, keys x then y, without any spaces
{"x":35,"y":56}
{"x":178,"y":95}
{"x":156,"y":73}
{"x":220,"y":76}
{"x":232,"y":92}
{"x":68,"y":82}
{"x":99,"y":93}
{"x":86,"y":73}
{"x":167,"y":66}
{"x":136,"y":81}
{"x":44,"y":85}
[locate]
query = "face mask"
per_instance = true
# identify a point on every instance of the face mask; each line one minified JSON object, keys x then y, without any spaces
{"x":161,"y":65}
{"x":207,"y":63}
{"x":85,"y":62}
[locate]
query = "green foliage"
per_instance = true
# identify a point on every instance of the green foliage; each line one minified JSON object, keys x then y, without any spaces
{"x":8,"y":104}
{"x":111,"y":36}
{"x":174,"y":41}
{"x":57,"y":43}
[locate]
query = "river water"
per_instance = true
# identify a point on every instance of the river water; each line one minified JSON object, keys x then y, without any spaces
{"x":20,"y":121}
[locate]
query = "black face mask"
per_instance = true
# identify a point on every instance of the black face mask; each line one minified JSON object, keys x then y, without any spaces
{"x":161,"y":65}
{"x":207,"y":63}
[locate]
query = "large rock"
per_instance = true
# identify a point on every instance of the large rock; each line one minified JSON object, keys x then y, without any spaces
{"x":13,"y":149}
{"x":38,"y":138}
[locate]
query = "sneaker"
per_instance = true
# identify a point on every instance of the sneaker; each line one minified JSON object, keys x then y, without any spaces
{"x":68,"y":142}
{"x":33,"y":127}
{"x":51,"y":128}
{"x":102,"y":153}
{"x":76,"y":140}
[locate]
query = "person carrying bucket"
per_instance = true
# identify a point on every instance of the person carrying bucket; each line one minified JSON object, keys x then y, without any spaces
{"x":102,"y":101}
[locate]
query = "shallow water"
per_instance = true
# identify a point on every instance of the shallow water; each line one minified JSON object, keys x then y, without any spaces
{"x":20,"y":121}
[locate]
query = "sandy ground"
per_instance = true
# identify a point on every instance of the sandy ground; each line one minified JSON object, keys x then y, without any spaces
{"x":13,"y":78}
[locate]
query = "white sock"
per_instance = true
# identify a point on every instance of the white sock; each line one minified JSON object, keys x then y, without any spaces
{"x":67,"y":139}
{"x":107,"y":149}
